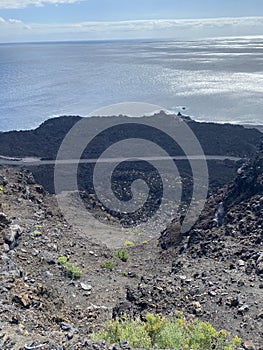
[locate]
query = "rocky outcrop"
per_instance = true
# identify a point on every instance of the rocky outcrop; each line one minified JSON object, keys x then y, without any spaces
{"x":236,"y":209}
{"x":249,"y":181}
{"x":172,"y":235}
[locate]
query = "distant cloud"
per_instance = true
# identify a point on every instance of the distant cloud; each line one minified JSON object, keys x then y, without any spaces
{"x":12,"y":23}
{"x":14,"y":30}
{"x":16,"y":4}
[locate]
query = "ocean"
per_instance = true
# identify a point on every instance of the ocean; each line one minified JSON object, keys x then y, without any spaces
{"x":219,"y":80}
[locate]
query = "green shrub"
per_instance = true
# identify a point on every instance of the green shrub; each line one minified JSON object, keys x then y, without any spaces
{"x":122,"y":254}
{"x":158,"y":332}
{"x":38,"y":226}
{"x":107,"y":264}
{"x":128,"y":244}
{"x":69,"y":269}
{"x":133,"y":331}
{"x":62,"y":260}
{"x":36,"y":233}
{"x":72,"y":270}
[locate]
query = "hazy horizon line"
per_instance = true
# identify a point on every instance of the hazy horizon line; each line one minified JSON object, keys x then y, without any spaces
{"x":76,"y":41}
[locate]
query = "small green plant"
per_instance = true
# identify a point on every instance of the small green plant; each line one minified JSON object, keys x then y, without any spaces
{"x":153,"y":326}
{"x":36,"y":233}
{"x":128,"y":244}
{"x":157,"y":332}
{"x":72,"y":270}
{"x":145,"y":242}
{"x":124,"y":273}
{"x":69,"y":269}
{"x":122,"y":254}
{"x":133,"y":331}
{"x":1,"y":188}
{"x":38,"y":226}
{"x":107,"y":264}
{"x":62,"y":260}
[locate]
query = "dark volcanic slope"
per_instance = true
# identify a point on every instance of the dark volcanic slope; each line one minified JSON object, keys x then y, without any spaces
{"x":217,"y":277}
{"x":215,"y":273}
{"x":216,"y":139}
{"x":41,"y":142}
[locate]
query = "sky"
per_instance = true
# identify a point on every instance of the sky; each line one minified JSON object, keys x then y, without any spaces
{"x":66,"y":20}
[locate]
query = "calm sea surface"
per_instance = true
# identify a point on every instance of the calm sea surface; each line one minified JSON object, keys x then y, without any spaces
{"x":218,"y":80}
